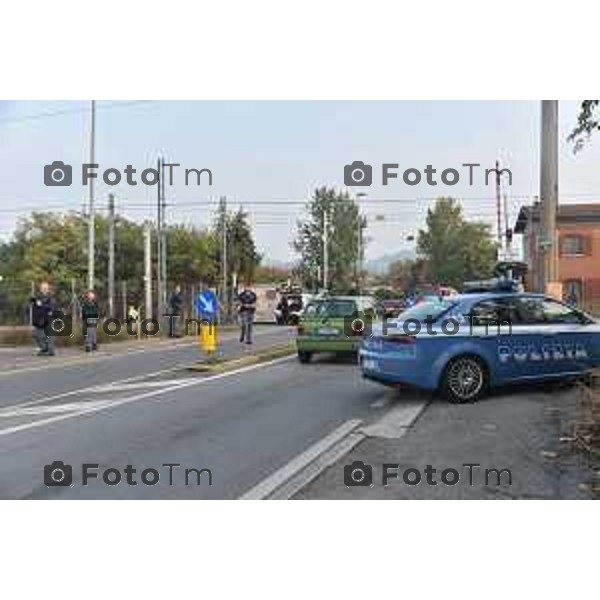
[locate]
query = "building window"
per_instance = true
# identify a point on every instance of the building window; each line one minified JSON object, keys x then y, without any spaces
{"x":572,"y":245}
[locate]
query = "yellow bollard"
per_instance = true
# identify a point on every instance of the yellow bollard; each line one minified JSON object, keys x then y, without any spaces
{"x":208,"y":337}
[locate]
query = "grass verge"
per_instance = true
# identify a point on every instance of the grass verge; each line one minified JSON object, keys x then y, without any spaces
{"x":227,"y":364}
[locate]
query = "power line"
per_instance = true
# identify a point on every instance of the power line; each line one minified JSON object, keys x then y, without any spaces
{"x":74,"y":110}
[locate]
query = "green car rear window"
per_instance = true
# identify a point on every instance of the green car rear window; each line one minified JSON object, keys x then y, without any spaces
{"x":330,"y":308}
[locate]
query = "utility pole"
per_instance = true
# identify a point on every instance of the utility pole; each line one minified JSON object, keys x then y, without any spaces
{"x":549,"y":191}
{"x":159,"y":240}
{"x":360,"y":196}
{"x":223,"y":220}
{"x":148,"y":270}
{"x":163,"y":244}
{"x":498,"y":201}
{"x":325,"y":248}
{"x":124,"y":294}
{"x":111,"y":255}
{"x":92,"y":214}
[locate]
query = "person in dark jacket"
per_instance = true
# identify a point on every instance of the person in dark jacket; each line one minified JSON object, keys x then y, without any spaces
{"x":246,"y":308}
{"x":42,"y":310}
{"x":176,"y":306}
{"x":89,"y":320}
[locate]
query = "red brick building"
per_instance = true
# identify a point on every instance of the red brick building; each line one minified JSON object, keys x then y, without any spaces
{"x":578,"y":234}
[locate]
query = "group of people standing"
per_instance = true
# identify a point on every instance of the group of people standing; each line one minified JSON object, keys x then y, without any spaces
{"x":47,"y":322}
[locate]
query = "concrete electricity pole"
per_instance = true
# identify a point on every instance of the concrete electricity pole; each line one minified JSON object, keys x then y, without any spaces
{"x":498,"y":210}
{"x":159,"y":242}
{"x":163,"y":244}
{"x":549,"y":192}
{"x":92,"y":214}
{"x":223,"y":222}
{"x":148,"y":270}
{"x":325,"y":248}
{"x":362,"y":223}
{"x":111,"y":255}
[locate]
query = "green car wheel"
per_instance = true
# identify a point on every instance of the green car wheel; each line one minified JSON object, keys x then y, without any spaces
{"x":304,"y":356}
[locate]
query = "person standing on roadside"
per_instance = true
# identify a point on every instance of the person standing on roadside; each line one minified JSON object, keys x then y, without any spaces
{"x":247,"y":308}
{"x":89,"y":320}
{"x":42,"y":311}
{"x":175,"y":305}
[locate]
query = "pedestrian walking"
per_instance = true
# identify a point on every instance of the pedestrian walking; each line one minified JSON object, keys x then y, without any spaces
{"x":89,"y":320}
{"x":284,"y":310}
{"x":246,"y":310}
{"x":42,"y":311}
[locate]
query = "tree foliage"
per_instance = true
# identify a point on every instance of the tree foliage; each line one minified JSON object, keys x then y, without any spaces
{"x":53,"y":247}
{"x":455,"y":250}
{"x":587,"y":123}
{"x":343,"y":218}
{"x":242,"y":256}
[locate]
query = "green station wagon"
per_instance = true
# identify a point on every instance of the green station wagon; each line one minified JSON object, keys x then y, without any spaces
{"x":334,"y":324}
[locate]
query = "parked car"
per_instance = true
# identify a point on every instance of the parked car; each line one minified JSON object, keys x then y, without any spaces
{"x":503,"y":337}
{"x":334,"y":324}
{"x":296,"y":304}
{"x":393,"y":307}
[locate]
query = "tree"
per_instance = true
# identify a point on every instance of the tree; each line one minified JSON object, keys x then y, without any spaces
{"x":343,"y":217}
{"x":53,"y":247}
{"x":405,"y":274}
{"x":190,"y":252}
{"x":242,"y":256}
{"x":454,"y":249}
{"x":587,"y":123}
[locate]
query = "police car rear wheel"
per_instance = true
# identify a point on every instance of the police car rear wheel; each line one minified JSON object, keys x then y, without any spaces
{"x":465,"y":380}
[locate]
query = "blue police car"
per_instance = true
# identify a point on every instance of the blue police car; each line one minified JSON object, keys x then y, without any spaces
{"x":464,"y":344}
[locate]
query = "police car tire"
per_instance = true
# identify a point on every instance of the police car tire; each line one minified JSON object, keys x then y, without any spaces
{"x":474,"y":362}
{"x":304,"y":356}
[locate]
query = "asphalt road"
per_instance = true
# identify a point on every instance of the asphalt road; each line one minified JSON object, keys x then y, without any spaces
{"x":276,"y":429}
{"x":242,"y":425}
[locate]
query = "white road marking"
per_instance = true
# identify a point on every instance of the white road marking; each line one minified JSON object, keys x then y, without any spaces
{"x":55,"y":408}
{"x":395,"y":423}
{"x":380,"y":403}
{"x":88,"y":390}
{"x":314,"y":469}
{"x":269,"y":485}
{"x":122,"y":387}
{"x":130,"y":399}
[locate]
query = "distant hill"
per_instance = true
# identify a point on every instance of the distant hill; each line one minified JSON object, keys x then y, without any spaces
{"x":380,"y":265}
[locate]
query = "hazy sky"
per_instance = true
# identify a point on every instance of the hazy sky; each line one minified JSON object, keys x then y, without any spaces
{"x":261,"y":151}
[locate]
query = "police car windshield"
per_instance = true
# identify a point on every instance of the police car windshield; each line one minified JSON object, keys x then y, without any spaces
{"x":331,"y":308}
{"x":431,"y":309}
